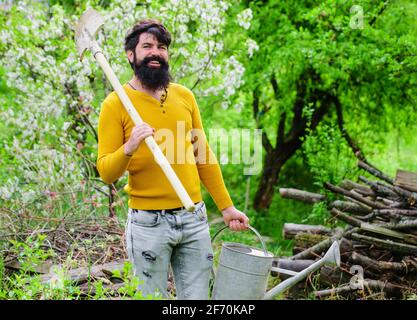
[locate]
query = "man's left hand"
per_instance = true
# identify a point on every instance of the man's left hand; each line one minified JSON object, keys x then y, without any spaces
{"x":235,"y":219}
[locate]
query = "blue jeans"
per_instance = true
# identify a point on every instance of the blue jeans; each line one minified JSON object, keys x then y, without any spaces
{"x":154,"y":240}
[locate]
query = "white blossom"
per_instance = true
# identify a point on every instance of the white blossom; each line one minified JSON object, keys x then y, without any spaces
{"x":252,"y":47}
{"x":244,"y":18}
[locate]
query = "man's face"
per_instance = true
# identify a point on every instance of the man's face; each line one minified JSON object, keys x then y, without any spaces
{"x":149,"y":46}
{"x":150,"y":62}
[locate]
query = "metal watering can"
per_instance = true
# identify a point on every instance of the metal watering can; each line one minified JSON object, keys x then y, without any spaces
{"x":243,"y":271}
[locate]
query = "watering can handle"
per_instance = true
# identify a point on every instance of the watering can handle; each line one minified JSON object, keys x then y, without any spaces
{"x":253,"y":229}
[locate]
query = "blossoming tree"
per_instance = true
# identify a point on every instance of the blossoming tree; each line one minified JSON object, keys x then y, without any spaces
{"x":51,"y":102}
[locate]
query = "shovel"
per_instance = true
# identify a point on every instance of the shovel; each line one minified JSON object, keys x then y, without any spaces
{"x":85,"y":33}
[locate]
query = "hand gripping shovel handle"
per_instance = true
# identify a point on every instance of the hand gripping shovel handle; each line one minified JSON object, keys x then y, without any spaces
{"x":86,"y":29}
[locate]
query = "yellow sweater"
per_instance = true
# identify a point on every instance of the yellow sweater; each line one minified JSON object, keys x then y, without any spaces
{"x":148,"y":187}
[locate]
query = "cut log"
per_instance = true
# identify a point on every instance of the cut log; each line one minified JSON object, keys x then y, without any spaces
{"x":402,"y":225}
{"x":291,"y":229}
{"x":387,"y":202}
{"x":386,"y":244}
{"x":304,"y":196}
{"x":351,"y":207}
{"x":381,"y":189}
{"x":375,"y":172}
{"x":288,"y":264}
{"x":401,"y":212}
{"x":42,"y":268}
{"x":332,"y":276}
{"x":349,"y":194}
{"x":408,"y":238}
{"x":364,"y":193}
{"x":328,"y":275}
{"x":345,"y":217}
{"x":80,"y":275}
{"x":411,"y":197}
{"x":403,"y":267}
{"x":317,"y":249}
{"x":374,"y":215}
{"x":388,"y":289}
{"x":303,"y":240}
{"x":350,"y":185}
{"x":406,"y":180}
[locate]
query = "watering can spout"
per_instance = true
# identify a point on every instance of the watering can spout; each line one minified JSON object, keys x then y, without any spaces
{"x":332,"y":257}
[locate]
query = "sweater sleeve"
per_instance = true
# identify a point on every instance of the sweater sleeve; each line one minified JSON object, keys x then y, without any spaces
{"x":207,"y":164}
{"x":111,"y":160}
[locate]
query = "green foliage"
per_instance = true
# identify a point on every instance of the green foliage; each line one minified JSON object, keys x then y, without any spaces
{"x":327,"y":155}
{"x":131,"y":283}
{"x":30,"y":254}
{"x":25,"y":284}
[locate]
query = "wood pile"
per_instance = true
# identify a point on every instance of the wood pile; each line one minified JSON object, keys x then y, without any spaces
{"x":378,"y":245}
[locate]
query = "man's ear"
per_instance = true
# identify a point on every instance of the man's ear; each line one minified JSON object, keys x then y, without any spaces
{"x":130,"y":56}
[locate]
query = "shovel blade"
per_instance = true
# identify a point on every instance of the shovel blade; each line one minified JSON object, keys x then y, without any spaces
{"x":87,"y":29}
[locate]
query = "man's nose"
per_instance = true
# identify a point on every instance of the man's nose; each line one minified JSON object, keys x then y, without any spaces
{"x":154,"y":52}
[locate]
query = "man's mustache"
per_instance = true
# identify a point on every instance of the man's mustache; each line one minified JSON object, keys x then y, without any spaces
{"x":161,"y":61}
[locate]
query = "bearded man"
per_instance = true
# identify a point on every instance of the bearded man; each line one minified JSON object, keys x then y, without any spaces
{"x":159,"y":231}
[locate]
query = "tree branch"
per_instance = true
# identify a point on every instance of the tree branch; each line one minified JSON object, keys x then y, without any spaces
{"x":266,"y":143}
{"x":255,"y":106}
{"x":274,"y":84}
{"x":380,"y":12}
{"x":281,"y":130}
{"x":356,"y":150}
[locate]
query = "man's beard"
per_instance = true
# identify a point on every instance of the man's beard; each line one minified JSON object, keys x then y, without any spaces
{"x":152,"y":78}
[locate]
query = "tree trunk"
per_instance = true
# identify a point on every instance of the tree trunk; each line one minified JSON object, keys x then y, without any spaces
{"x":265,"y":192}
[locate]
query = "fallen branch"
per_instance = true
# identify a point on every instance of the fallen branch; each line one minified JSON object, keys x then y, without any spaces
{"x":291,"y":229}
{"x":400,"y":225}
{"x":349,"y":194}
{"x":386,"y":244}
{"x":345,"y":217}
{"x":80,"y":275}
{"x":381,"y":189}
{"x":315,"y":250}
{"x":288,"y":264}
{"x":347,"y":206}
{"x":350,"y":185}
{"x":301,"y":195}
{"x":387,"y":288}
{"x":411,"y":197}
{"x":375,"y":172}
{"x":399,"y":212}
{"x":404,"y":267}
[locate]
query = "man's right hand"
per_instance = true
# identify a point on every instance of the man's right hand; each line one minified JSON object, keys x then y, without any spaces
{"x":138,"y":134}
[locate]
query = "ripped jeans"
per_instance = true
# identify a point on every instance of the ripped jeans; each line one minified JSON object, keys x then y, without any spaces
{"x":156,"y":239}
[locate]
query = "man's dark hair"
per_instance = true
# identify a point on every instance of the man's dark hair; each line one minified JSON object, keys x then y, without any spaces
{"x":151,"y":26}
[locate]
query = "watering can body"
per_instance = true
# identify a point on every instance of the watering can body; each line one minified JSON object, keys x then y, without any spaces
{"x":243,"y":271}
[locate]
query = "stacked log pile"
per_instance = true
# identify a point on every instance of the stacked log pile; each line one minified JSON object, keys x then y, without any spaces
{"x":378,"y":245}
